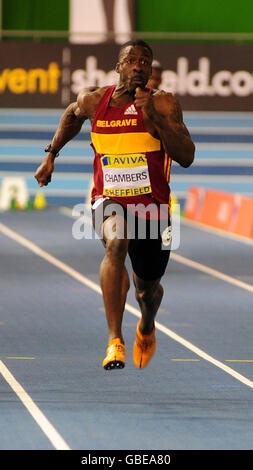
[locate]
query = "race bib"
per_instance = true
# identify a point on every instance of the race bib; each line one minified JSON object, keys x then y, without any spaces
{"x":125,"y":175}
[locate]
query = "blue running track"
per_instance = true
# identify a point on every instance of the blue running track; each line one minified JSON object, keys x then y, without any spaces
{"x":197,"y":392}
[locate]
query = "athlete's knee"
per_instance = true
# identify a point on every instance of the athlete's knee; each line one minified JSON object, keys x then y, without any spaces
{"x":117,"y":248}
{"x":150,"y":293}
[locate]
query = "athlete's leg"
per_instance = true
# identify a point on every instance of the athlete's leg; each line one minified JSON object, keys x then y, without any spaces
{"x":149,"y":295}
{"x":114,"y":279}
{"x":149,"y":262}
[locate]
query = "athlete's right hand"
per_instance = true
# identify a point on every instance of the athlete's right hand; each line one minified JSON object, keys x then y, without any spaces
{"x":44,"y":172}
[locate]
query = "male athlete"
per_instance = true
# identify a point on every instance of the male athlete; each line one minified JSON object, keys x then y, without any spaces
{"x":136,"y":132}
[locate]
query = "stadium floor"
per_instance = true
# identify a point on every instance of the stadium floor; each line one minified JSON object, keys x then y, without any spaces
{"x":197,"y":392}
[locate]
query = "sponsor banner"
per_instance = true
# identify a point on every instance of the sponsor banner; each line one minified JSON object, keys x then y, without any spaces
{"x":30,"y":75}
{"x":50,"y":75}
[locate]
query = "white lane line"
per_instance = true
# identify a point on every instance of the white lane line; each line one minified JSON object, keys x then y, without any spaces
{"x":87,"y":282}
{"x":54,"y":437}
{"x":216,"y":231}
{"x":212,"y":272}
{"x":186,"y":261}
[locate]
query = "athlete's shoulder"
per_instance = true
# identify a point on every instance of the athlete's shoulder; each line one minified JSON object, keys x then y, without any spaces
{"x":89,"y":98}
{"x":161,"y":95}
{"x":93,"y":91}
{"x":166,"y":103}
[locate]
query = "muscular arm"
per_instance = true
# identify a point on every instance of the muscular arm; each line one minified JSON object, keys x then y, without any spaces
{"x":75,"y":115}
{"x":69,"y":126}
{"x":166,"y":115}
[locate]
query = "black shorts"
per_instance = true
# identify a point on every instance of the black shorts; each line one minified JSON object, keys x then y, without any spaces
{"x":148,"y":254}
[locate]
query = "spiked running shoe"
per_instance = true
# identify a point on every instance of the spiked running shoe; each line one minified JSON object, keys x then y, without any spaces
{"x":115,"y":355}
{"x":144,"y":348}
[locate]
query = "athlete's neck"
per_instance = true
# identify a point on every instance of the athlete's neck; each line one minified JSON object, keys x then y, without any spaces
{"x":121,"y":96}
{"x":121,"y":90}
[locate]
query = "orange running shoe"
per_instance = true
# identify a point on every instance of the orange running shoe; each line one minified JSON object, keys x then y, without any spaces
{"x":115,"y":355}
{"x":144,"y":348}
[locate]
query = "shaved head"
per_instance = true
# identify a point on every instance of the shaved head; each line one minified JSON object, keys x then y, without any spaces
{"x":136,"y":42}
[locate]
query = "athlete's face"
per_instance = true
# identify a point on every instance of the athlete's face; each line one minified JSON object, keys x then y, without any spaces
{"x":134,"y":67}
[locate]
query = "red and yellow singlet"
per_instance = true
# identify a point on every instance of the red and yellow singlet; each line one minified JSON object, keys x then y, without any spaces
{"x":130,"y":165}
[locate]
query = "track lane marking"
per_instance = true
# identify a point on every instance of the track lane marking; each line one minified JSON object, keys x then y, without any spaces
{"x":19,"y":357}
{"x":191,"y":223}
{"x":216,"y":231}
{"x":239,"y":360}
{"x":87,"y":282}
{"x":212,"y":272}
{"x":54,"y":437}
{"x":183,"y":260}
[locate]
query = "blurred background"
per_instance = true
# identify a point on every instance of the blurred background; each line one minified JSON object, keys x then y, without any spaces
{"x":51,"y":49}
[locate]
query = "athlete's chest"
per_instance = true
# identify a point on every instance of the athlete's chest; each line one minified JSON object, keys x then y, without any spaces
{"x":126,"y":118}
{"x":121,"y":130}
